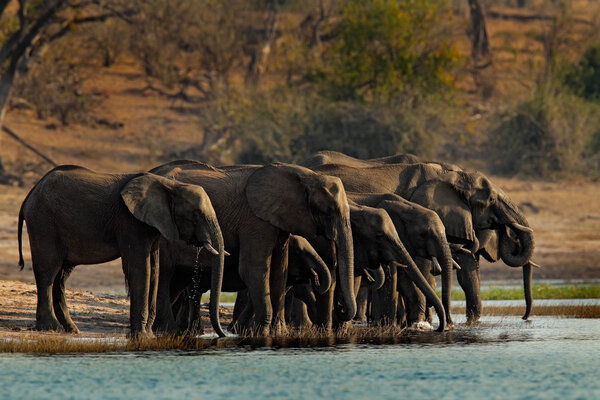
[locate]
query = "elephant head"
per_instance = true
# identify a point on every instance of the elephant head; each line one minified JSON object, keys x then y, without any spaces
{"x":376,"y":236}
{"x":180,"y":212}
{"x":467,"y":203}
{"x":300,"y":201}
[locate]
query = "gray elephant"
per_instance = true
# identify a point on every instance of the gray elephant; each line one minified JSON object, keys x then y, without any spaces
{"x":77,"y":216}
{"x":424,"y":236}
{"x":466,"y":202}
{"x":183,"y":280}
{"x":256,"y":206}
{"x":376,"y":244}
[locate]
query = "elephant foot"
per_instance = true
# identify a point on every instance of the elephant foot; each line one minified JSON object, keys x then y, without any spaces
{"x":473,"y":321}
{"x":279,"y":328}
{"x":421,"y":326}
{"x":141,"y":335}
{"x":71,"y":328}
{"x":47,"y":324}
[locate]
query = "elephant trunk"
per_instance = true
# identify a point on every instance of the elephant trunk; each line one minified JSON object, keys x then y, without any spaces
{"x":319,"y":271}
{"x":527,"y":275}
{"x":516,"y":253}
{"x":216,"y":281}
{"x":377,"y":278}
{"x":417,"y":277}
{"x":441,"y":250}
{"x":345,"y":261}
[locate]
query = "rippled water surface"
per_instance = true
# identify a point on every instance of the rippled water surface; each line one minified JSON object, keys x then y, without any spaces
{"x":502,"y":358}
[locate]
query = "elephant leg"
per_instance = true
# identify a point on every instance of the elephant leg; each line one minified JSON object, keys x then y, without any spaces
{"x":469,"y":280}
{"x":60,"y":303}
{"x":414,"y":300}
{"x":243,"y":324}
{"x":181,"y":311}
{"x":165,"y":319}
{"x":45,"y":270}
{"x":137,"y":265}
{"x":385,"y":299}
{"x":195,"y":311}
{"x":325,"y":307}
{"x":300,"y":317}
{"x":401,"y":313}
{"x":153,"y":290}
{"x":361,"y":304}
{"x":254,"y":265}
{"x":241,"y":300}
{"x":277,"y":286}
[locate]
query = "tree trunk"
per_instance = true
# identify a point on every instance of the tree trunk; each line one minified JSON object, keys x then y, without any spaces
{"x":480,"y":50}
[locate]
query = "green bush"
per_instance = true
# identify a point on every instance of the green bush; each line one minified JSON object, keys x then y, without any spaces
{"x":584,"y":78}
{"x":388,"y":47}
{"x":548,"y":136}
{"x":281,"y":125}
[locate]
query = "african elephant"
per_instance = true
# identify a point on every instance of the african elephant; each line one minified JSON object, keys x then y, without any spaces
{"x":376,"y":243}
{"x":180,"y":275}
{"x":77,"y":216}
{"x":466,"y":202}
{"x":255,"y":206}
{"x":423,"y":234}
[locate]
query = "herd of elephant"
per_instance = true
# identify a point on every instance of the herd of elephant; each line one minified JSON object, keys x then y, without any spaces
{"x":317,"y":244}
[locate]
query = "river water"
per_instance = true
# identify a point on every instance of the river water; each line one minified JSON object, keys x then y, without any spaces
{"x":502,"y":358}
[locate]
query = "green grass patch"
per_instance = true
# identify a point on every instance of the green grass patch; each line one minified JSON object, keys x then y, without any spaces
{"x":539,"y":292}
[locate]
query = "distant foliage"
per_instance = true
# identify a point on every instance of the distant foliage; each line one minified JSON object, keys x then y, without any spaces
{"x":387,"y":47}
{"x":53,"y":85}
{"x":584,"y":78}
{"x":279,"y":125}
{"x":551,"y":135}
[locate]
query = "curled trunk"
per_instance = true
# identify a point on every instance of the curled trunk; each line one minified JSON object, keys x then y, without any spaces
{"x":377,"y":278}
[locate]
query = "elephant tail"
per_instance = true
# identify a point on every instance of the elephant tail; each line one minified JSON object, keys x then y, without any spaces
{"x":20,"y":237}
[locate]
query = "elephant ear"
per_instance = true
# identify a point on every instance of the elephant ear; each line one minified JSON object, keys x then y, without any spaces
{"x":147,"y":198}
{"x":488,"y":244}
{"x":449,"y":203}
{"x":278,"y":194}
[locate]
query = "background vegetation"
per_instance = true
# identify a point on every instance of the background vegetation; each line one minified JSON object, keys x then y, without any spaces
{"x":280,"y":79}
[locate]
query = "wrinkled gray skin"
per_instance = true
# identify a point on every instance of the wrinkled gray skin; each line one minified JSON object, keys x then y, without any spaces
{"x":423,"y":234}
{"x":466,"y":202}
{"x":255,"y":205}
{"x":77,"y":216}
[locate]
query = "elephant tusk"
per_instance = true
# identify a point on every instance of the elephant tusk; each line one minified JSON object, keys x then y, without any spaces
{"x":455,"y":264}
{"x":209,"y":247}
{"x":316,"y":277}
{"x":534,"y":264}
{"x":521,"y":227}
{"x":437,"y":268}
{"x":368,"y":276}
{"x":226,"y":253}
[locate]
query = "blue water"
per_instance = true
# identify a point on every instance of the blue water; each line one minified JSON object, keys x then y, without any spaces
{"x":503,"y":358}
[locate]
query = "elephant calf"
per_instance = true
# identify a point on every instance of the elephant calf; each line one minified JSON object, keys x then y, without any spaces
{"x":77,"y":216}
